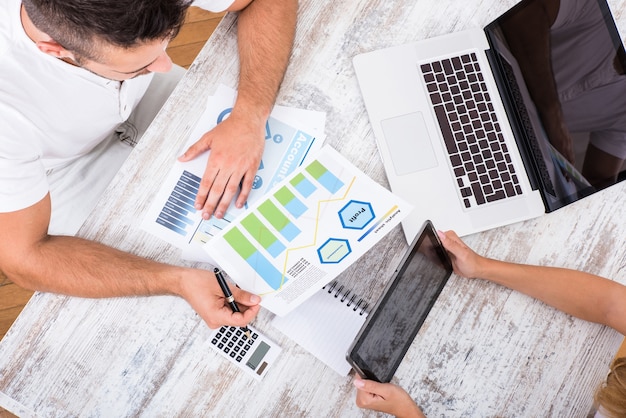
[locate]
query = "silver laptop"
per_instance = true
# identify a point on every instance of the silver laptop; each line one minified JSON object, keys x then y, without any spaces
{"x":458,"y":126}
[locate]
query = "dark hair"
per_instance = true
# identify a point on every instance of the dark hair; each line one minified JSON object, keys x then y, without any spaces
{"x":82,"y":26}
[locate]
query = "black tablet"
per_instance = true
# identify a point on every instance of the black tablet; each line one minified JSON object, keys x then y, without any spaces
{"x":394,"y":321}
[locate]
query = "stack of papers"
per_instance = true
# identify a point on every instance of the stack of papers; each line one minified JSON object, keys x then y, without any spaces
{"x":292,"y":135}
{"x":305,"y":231}
{"x":310,"y":215}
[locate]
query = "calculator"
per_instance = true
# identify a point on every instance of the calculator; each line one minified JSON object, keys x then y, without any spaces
{"x":253,"y":355}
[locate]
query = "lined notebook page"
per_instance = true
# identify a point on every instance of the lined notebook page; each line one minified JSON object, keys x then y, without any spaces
{"x":326,"y":324}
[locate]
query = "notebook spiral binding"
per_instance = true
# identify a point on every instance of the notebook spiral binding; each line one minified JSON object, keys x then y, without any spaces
{"x":355,"y":302}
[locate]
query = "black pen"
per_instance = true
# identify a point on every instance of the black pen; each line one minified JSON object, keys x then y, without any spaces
{"x":229,"y":296}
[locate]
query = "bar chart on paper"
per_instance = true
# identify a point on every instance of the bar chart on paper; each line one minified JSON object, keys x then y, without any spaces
{"x":276,"y":215}
{"x":177,"y":211}
{"x":305,"y":231}
{"x":172,"y":215}
{"x":179,"y":215}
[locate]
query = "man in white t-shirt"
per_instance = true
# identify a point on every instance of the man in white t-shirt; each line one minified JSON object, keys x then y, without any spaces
{"x":77,"y":85}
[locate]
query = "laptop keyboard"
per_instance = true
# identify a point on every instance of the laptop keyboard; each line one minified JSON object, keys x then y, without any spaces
{"x":478,"y":154}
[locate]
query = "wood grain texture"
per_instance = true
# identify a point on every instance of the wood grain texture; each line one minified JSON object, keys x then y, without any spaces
{"x":199,"y":24}
{"x":12,"y":300}
{"x":621,"y":352}
{"x":484,"y":351}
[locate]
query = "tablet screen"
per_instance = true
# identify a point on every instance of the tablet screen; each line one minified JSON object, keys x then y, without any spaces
{"x":397,"y":317}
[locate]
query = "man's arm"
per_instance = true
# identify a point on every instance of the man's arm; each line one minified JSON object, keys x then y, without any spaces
{"x":265,"y":32}
{"x":73,"y":266}
{"x":580,"y":294}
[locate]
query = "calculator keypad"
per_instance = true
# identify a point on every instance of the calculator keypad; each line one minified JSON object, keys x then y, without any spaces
{"x":234,"y":342}
{"x":254,"y":355}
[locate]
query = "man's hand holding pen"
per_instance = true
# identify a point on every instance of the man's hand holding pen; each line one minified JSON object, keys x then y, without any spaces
{"x":228,"y":295}
{"x":203,"y":292}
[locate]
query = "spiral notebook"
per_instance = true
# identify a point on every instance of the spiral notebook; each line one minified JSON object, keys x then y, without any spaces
{"x":326,"y":324}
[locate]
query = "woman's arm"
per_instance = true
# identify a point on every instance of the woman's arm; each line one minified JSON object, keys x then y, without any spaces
{"x":583,"y":295}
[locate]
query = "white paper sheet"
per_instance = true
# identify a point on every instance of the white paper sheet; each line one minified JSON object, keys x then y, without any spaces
{"x":325,"y":325}
{"x":291,"y":135}
{"x":305,"y":231}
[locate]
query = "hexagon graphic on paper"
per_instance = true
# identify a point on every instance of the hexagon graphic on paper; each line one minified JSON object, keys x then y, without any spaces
{"x":356,"y":214}
{"x":333,"y":250}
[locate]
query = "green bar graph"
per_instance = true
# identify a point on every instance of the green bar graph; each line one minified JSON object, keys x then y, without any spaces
{"x":284,"y":196}
{"x":239,"y":243}
{"x":274,"y":216}
{"x":316,"y":169}
{"x":258,"y":231}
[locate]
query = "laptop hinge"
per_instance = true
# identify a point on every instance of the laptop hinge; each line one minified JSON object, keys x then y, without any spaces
{"x":514,"y":116}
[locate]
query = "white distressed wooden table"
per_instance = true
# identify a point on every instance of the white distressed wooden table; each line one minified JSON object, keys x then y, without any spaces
{"x":483,"y":351}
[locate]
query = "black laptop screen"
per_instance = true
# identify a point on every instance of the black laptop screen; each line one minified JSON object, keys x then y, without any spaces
{"x":562,"y":66}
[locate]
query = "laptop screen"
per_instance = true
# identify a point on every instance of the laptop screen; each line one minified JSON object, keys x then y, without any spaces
{"x":562,"y":66}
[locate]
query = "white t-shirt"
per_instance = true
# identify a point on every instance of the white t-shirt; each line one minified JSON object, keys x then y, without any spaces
{"x":580,"y":26}
{"x":51,"y":112}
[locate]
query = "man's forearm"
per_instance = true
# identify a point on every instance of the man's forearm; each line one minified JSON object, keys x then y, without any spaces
{"x":78,"y":267}
{"x":577,"y":293}
{"x":265,"y":33}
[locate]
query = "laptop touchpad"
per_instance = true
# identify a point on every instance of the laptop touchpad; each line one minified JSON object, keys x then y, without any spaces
{"x":409,"y":144}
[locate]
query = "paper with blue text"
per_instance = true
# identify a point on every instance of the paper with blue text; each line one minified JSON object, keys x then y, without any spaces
{"x":291,"y":135}
{"x":306,"y":230}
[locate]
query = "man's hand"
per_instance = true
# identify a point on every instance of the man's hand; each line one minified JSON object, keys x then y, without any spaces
{"x":201,"y":290}
{"x":236,"y":146}
{"x":68,"y":265}
{"x":237,"y":143}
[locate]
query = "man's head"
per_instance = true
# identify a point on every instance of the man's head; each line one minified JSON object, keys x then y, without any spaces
{"x":117,"y":39}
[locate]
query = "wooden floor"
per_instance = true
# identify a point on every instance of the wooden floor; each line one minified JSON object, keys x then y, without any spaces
{"x":198,"y":26}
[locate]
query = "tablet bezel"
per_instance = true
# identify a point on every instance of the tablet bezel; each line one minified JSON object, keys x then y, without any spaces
{"x":352,"y":356}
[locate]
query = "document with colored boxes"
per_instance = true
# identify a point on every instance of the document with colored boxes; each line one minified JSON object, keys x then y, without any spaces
{"x":290,"y":135}
{"x":305,"y":231}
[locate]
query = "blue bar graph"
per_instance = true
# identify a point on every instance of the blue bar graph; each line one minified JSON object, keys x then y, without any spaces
{"x":175,"y":213}
{"x":303,"y":185}
{"x":278,"y":220}
{"x":246,"y":250}
{"x":324,"y":177}
{"x":290,"y":202}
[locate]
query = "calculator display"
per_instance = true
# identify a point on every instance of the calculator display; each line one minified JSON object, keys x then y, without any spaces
{"x":258,"y":355}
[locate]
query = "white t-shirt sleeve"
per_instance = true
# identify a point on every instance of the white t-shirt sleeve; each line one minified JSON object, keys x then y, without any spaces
{"x":213,"y":5}
{"x":23,"y":179}
{"x":25,"y":186}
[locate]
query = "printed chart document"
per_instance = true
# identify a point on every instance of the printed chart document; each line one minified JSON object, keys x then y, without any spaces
{"x":291,"y":135}
{"x":305,"y":231}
